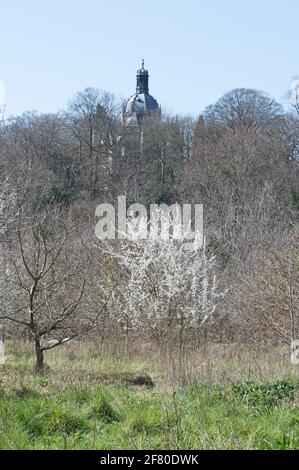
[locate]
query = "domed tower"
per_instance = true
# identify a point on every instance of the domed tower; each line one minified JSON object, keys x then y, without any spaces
{"x":141,"y":104}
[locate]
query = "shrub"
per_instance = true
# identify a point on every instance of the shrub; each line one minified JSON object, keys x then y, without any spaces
{"x":264,"y":394}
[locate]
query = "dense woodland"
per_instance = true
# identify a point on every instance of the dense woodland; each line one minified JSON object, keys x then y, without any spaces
{"x":238,"y":159}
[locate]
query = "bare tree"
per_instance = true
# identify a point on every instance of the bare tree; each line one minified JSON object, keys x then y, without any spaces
{"x":245,"y":181}
{"x":93,"y":118}
{"x":46,"y":286}
{"x":264,"y":302}
{"x":242,"y":108}
{"x":293,"y":95}
{"x":154,"y":174}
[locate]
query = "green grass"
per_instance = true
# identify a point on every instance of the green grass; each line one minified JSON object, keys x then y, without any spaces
{"x":99,"y":407}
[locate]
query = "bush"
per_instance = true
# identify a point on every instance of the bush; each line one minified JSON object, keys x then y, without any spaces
{"x":264,"y":394}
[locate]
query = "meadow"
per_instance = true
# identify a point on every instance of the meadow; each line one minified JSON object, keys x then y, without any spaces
{"x":220,"y":397}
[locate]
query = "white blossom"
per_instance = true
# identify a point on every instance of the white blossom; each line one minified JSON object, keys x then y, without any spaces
{"x":162,"y":280}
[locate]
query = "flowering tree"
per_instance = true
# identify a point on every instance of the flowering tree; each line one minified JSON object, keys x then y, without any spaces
{"x":162,"y":284}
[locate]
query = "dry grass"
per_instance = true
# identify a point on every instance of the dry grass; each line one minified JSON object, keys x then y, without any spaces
{"x":86,"y":362}
{"x":222,"y":397}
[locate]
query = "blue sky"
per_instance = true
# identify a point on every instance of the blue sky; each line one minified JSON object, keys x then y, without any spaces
{"x":195,"y":50}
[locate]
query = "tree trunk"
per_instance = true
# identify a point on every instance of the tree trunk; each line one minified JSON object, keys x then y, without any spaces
{"x":39,"y":356}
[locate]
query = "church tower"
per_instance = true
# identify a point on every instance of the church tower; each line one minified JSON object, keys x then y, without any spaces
{"x":141,"y":104}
